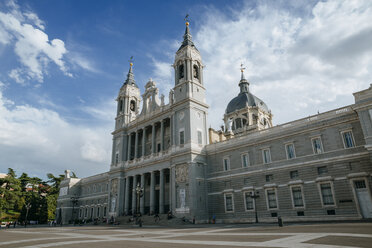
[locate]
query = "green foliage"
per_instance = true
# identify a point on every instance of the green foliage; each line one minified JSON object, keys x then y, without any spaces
{"x":16,"y":193}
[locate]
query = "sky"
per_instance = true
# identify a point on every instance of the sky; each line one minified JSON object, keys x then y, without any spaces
{"x":62,"y":64}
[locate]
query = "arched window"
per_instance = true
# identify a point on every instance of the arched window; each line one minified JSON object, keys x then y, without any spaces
{"x":180,"y":71}
{"x":196,"y":71}
{"x":132,"y":105}
{"x":238,"y":123}
{"x":244,"y":122}
{"x":121,"y":105}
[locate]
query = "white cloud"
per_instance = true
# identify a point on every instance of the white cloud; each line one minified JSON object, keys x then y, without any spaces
{"x":16,"y":74}
{"x":163,"y":77}
{"x":31,"y":44}
{"x":35,"y":19}
{"x":296,"y":65}
{"x":41,"y":141}
{"x":79,"y":60}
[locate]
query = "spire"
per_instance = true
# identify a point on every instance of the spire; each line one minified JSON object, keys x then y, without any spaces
{"x":130,"y":76}
{"x":243,"y":84}
{"x":187,"y":38}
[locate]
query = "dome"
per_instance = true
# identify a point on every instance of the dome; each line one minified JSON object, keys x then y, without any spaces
{"x":243,"y":100}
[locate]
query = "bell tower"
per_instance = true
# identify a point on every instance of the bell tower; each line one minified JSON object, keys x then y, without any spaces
{"x":188,"y":69}
{"x":128,"y":100}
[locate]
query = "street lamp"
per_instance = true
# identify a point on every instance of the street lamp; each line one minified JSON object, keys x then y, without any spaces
{"x":139,"y":192}
{"x":28,"y":206}
{"x":254,"y":196}
{"x":74,"y":201}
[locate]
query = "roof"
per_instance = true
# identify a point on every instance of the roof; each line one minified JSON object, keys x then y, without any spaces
{"x":243,"y":100}
{"x":187,"y":39}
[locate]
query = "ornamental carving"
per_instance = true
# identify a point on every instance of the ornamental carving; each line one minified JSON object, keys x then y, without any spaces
{"x":182,"y":173}
{"x":114,"y":186}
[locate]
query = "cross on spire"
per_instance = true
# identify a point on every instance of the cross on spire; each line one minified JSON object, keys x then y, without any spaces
{"x":242,"y":70}
{"x":131,"y":60}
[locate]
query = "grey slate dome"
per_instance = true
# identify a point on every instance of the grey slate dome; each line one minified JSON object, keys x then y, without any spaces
{"x":245,"y":98}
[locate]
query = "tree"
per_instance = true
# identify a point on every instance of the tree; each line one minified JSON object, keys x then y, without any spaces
{"x":10,"y":192}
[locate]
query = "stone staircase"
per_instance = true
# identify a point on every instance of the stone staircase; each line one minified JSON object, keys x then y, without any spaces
{"x":149,"y":220}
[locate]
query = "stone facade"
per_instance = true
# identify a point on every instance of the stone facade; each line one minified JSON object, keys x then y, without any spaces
{"x":313,"y":169}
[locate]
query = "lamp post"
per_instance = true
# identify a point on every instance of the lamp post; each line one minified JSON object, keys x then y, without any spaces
{"x":28,"y":206}
{"x":74,"y":201}
{"x":254,"y":195}
{"x":139,"y":192}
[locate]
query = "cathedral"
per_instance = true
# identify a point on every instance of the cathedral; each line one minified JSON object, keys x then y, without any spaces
{"x":165,"y":159}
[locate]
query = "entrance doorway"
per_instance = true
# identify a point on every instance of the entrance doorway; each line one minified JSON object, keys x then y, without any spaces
{"x":364,"y":198}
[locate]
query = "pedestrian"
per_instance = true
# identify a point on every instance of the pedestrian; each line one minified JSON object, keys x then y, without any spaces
{"x":14,"y":224}
{"x":156,"y":218}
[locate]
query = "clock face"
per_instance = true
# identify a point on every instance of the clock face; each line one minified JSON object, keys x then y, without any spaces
{"x":182,"y":115}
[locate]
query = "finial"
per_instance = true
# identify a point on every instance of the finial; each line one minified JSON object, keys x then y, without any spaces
{"x":131,"y":61}
{"x":187,"y":20}
{"x":242,"y":70}
{"x":241,"y":67}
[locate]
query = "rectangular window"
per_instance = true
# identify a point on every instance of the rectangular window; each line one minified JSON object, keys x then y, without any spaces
{"x":229,"y":207}
{"x":245,"y":162}
{"x":249,"y":204}
{"x":86,"y":212}
{"x":104,"y":212}
{"x":80,"y":212}
{"x":271,"y":199}
{"x":266,"y":156}
{"x":269,"y":178}
{"x":317,"y":145}
{"x":348,"y":139}
{"x":300,"y":213}
{"x":182,"y":137}
{"x":297,"y":197}
{"x":98,"y":211}
{"x":360,"y":184}
{"x":293,"y":174}
{"x":322,"y":170}
{"x":226,"y":164}
{"x":200,"y":138}
{"x":327,"y":195}
{"x":290,"y":151}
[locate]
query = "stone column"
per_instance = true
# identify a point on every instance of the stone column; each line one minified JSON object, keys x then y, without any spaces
{"x":120,"y":196}
{"x":142,"y":199}
{"x":173,"y":130}
{"x":153,"y":139}
{"x":134,"y":198}
{"x":161,"y":135}
{"x":136,"y":145}
{"x":172,"y":184}
{"x":152,"y":193}
{"x":113,"y":151}
{"x":143,"y":141}
{"x":126,"y":196}
{"x":161,"y":192}
{"x":129,"y":145}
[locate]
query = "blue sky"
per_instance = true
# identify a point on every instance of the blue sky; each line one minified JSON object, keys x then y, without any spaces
{"x":63,"y":62}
